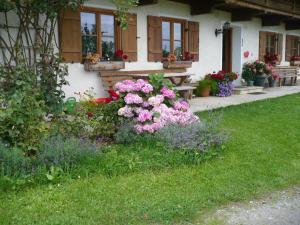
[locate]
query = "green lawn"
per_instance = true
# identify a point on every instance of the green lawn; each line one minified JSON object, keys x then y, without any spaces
{"x":262,"y":154}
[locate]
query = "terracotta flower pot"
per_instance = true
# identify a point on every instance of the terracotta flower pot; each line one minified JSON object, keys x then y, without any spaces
{"x":205,"y":92}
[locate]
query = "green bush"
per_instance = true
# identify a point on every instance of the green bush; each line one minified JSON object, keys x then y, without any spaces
{"x":21,"y":119}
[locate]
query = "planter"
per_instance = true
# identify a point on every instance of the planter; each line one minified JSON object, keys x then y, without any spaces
{"x":250,"y":83}
{"x":260,"y":80}
{"x":105,"y":65}
{"x":177,"y":64}
{"x":272,"y":83}
{"x":205,"y":92}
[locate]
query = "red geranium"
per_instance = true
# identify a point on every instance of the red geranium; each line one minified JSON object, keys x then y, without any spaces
{"x":114,"y":95}
{"x":125,"y":57}
{"x":119,"y":53}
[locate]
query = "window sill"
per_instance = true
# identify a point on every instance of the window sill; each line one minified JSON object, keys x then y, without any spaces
{"x":295,"y":63}
{"x":105,"y":65}
{"x":177,"y":64}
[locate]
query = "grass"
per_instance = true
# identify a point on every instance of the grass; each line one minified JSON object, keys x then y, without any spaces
{"x":262,"y":155}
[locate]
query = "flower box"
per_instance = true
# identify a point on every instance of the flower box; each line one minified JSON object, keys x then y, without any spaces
{"x":104,"y":65}
{"x":177,"y":64}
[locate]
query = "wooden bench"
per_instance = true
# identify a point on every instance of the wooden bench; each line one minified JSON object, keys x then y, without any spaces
{"x":287,"y":72}
{"x":178,"y":77}
{"x":186,"y":91}
{"x":110,"y":78}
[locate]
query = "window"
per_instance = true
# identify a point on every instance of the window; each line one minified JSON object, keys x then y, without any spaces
{"x":108,"y":35}
{"x":98,"y":34}
{"x":292,"y":47}
{"x":95,"y":31}
{"x":172,"y":41}
{"x":271,"y":43}
{"x":88,"y":33}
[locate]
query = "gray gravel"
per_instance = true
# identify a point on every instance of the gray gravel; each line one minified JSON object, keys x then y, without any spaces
{"x":281,"y":208}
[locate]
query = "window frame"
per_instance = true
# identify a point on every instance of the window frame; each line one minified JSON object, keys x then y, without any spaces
{"x":98,"y":13}
{"x":269,"y":35}
{"x":172,"y":21}
{"x":294,"y":38}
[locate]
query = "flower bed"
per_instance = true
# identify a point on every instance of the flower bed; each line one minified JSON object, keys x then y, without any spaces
{"x":151,"y":107}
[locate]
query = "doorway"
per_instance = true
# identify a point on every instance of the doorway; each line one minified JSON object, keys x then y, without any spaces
{"x":227,"y":50}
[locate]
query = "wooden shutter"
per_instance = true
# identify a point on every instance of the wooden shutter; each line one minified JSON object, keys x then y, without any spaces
{"x":193,"y":39}
{"x":70,"y":36}
{"x":262,"y":45}
{"x":279,"y":46}
{"x":288,"y":47}
{"x":129,"y":38}
{"x":154,"y":39}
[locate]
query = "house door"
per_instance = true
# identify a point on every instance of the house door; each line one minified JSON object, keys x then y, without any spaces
{"x":227,"y":50}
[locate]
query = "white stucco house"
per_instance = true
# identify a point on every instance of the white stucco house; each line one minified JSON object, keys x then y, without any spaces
{"x":220,"y":34}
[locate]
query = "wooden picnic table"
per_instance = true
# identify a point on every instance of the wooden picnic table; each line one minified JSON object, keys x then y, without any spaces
{"x":183,"y":77}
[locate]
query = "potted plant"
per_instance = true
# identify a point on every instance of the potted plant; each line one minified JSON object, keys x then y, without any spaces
{"x":224,"y":82}
{"x":205,"y":87}
{"x":274,"y":76}
{"x":248,"y":74}
{"x":260,"y":75}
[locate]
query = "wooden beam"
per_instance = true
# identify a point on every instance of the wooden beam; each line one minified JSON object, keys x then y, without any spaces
{"x":272,"y":20}
{"x":201,"y":7}
{"x":266,"y":8}
{"x":238,"y":15}
{"x":147,"y":2}
{"x":292,"y":25}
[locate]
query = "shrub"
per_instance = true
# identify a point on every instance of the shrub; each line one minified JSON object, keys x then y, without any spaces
{"x":65,"y":153}
{"x":13,"y":163}
{"x":21,"y":118}
{"x":199,"y":136}
{"x":126,"y":134}
{"x":152,"y":107}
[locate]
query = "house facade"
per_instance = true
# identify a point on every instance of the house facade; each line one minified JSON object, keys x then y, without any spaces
{"x":218,"y":34}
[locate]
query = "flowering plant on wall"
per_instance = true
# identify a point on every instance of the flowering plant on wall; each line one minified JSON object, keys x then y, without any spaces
{"x":120,"y":56}
{"x":224,"y":82}
{"x":151,"y":107}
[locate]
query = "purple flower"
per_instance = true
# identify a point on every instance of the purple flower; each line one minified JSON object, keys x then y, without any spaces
{"x":225,"y":89}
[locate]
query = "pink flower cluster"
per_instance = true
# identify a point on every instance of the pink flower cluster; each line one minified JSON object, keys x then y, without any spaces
{"x":166,"y":92}
{"x":152,"y":109}
{"x":130,"y":86}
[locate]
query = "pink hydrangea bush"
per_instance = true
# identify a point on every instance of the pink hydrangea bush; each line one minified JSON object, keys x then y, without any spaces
{"x":151,"y":109}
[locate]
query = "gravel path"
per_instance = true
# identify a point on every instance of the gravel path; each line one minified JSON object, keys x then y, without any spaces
{"x":281,"y":208}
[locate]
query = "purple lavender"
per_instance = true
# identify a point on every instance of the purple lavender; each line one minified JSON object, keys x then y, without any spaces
{"x":225,"y":89}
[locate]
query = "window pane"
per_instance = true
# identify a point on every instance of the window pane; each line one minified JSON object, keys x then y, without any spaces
{"x":88,"y":23}
{"x":166,"y":30}
{"x":177,"y":31}
{"x":89,"y":44}
{"x":108,"y":47}
{"x":107,"y":25}
{"x":178,"y":49}
{"x":166,"y":48}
